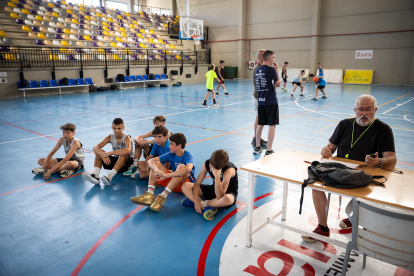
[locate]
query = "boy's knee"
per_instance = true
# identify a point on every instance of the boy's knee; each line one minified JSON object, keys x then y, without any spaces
{"x":180,"y":167}
{"x":228,"y":199}
{"x":186,"y":186}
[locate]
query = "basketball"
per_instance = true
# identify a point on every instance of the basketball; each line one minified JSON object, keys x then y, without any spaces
{"x":315,"y":79}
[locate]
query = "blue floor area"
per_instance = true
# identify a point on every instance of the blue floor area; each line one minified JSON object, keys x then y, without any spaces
{"x":49,"y":226}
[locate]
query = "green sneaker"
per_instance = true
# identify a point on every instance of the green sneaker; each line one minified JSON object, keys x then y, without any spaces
{"x":130,"y":171}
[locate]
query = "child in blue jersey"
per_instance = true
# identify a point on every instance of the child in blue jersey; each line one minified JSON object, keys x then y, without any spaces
{"x":182,"y":170}
{"x":321,"y":83}
{"x":297,"y":81}
{"x":160,"y":147}
{"x":320,"y":70}
{"x":72,"y":162}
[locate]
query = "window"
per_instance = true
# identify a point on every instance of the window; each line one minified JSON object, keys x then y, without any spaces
{"x":117,"y":5}
{"x":95,"y":3}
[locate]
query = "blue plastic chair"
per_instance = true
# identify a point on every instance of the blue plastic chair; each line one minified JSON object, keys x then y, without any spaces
{"x":33,"y":84}
{"x":163,"y":76}
{"x":80,"y":81}
{"x":18,"y":84}
{"x":139,"y":78}
{"x":43,"y":83}
{"x":145,"y":77}
{"x":88,"y":81}
{"x":157,"y":77}
{"x":133,"y":78}
{"x":127,"y":78}
{"x":72,"y":82}
{"x":53,"y":83}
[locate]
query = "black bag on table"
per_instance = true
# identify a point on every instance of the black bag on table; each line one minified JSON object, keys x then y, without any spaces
{"x":151,"y":76}
{"x":338,"y":175}
{"x":121,"y":78}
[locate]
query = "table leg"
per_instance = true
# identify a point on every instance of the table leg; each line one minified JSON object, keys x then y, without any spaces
{"x":60,"y":91}
{"x":250,"y":192}
{"x":284,"y":202}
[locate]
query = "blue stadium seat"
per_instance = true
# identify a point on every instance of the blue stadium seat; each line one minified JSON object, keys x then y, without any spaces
{"x":72,"y":82}
{"x":53,"y":83}
{"x":163,"y":76}
{"x":145,"y":77}
{"x":88,"y":81}
{"x":133,"y":78}
{"x":127,"y":78}
{"x":80,"y":81}
{"x":139,"y":78}
{"x":43,"y":83}
{"x":157,"y":77}
{"x":33,"y":84}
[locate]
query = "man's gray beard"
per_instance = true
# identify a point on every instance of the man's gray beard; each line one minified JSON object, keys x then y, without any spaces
{"x":361,"y":123}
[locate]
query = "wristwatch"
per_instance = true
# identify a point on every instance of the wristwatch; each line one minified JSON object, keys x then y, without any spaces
{"x":380,"y":164}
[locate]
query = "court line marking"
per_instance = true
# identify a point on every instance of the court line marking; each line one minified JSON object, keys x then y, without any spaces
{"x":394,"y":99}
{"x":296,"y":102}
{"x":398,"y":105}
{"x":405,"y":118}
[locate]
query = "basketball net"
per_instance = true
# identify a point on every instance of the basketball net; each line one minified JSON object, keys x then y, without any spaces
{"x":196,"y":39}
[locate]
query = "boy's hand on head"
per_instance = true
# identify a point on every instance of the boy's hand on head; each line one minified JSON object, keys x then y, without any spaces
{"x":198,"y":207}
{"x":216,"y":172}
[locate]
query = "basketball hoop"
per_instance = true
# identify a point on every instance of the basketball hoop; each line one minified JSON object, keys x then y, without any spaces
{"x":196,"y":39}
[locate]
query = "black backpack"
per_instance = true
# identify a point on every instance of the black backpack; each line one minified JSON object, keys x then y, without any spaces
{"x":102,"y":88}
{"x":174,"y":72}
{"x":151,"y":85}
{"x":92,"y":88}
{"x":151,"y":76}
{"x":338,"y":175}
{"x":24,"y":84}
{"x":121,"y":78}
{"x":163,"y":85}
{"x":65,"y":81}
{"x":113,"y":87}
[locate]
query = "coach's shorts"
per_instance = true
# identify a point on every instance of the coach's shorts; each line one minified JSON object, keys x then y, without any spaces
{"x":80,"y":165}
{"x":114,"y":159}
{"x":255,"y":103}
{"x":320,"y":87}
{"x":209,"y":192}
{"x":268,"y":115}
{"x":284,"y":79}
{"x":297,"y":83}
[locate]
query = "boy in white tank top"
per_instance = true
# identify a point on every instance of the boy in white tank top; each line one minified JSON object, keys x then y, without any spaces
{"x":72,"y":162}
{"x":119,"y":159}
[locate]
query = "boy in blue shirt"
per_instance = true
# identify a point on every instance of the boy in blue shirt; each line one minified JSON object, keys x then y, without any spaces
{"x":321,"y":83}
{"x":160,"y":147}
{"x":182,"y":170}
{"x":320,"y":70}
{"x":298,"y":81}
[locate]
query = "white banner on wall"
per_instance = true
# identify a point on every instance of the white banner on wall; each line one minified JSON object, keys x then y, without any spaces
{"x":363,"y":54}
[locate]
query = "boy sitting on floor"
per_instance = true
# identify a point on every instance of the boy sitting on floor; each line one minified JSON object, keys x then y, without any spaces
{"x":182,"y":170}
{"x":73,"y":160}
{"x":223,"y":192}
{"x":119,"y":159}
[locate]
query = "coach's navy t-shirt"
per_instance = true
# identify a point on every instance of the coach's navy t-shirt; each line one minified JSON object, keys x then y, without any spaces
{"x":265,"y":78}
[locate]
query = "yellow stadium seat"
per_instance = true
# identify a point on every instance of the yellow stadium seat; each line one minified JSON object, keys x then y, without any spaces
{"x":66,"y":31}
{"x":142,"y":45}
{"x":87,"y":37}
{"x":140,"y":12}
{"x":113,"y":44}
{"x":122,"y":29}
{"x":15,"y":1}
{"x":82,"y":5}
{"x":119,"y":17}
{"x":101,"y":50}
{"x":64,"y":50}
{"x":134,"y":21}
{"x":165,"y":24}
{"x":50,"y":5}
{"x":172,"y":46}
{"x":82,"y":9}
{"x":26,"y":28}
{"x":2,"y":33}
{"x":124,"y":34}
{"x":105,"y":23}
{"x":41,"y":35}
{"x":127,"y":13}
{"x":116,"y":57}
{"x":53,"y":57}
{"x":69,"y":11}
{"x":11,"y":5}
{"x":105,"y":28}
{"x":110,"y":20}
{"x":64,"y":43}
{"x":25,"y":11}
{"x":118,"y":39}
{"x":38,"y":17}
{"x":105,"y":33}
{"x":87,"y":17}
{"x":151,"y":31}
{"x":151,"y":41}
{"x":98,"y":14}
{"x":55,"y":14}
{"x":9,"y":57}
{"x":75,"y":21}
{"x":177,"y":57}
{"x":14,"y":15}
{"x":141,"y":31}
{"x":64,"y":2}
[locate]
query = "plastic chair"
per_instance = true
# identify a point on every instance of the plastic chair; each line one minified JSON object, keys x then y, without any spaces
{"x":163,"y":76}
{"x":80,"y":81}
{"x":133,"y":78}
{"x":43,"y":83}
{"x":88,"y":81}
{"x":72,"y":82}
{"x":139,"y":78}
{"x":53,"y":83}
{"x":127,"y":78}
{"x":157,"y":77}
{"x":33,"y":84}
{"x":381,"y":232}
{"x":145,"y":77}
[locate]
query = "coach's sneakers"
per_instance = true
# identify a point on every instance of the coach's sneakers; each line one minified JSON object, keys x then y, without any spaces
{"x":345,"y":224}
{"x":209,"y":212}
{"x":215,"y":105}
{"x":91,"y":178}
{"x":158,"y":203}
{"x":204,"y":105}
{"x":324,"y":97}
{"x":131,"y":171}
{"x":263,"y":143}
{"x":269,"y":152}
{"x":291,"y":95}
{"x":105,"y":180}
{"x":39,"y":170}
{"x":225,"y":93}
{"x":301,"y":95}
{"x":319,"y":231}
{"x":314,"y":99}
{"x":146,"y":199}
{"x":257,"y":150}
{"x":66,"y":173}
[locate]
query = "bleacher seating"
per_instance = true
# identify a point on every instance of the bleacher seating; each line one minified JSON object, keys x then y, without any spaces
{"x":141,"y":79}
{"x":43,"y":84}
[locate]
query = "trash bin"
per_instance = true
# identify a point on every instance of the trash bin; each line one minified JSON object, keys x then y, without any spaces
{"x":230,"y":72}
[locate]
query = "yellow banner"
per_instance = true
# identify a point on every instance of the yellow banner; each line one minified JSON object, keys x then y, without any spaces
{"x":358,"y":76}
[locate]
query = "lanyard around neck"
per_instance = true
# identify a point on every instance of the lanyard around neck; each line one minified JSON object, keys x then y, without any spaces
{"x":352,"y":141}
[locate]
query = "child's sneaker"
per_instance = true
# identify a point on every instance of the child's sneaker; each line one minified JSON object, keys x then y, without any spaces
{"x":324,"y":97}
{"x":131,"y":171}
{"x":158,"y":203}
{"x":136,"y":174}
{"x":301,"y":95}
{"x":146,"y":199}
{"x":314,"y":99}
{"x":105,"y":180}
{"x":291,"y":95}
{"x":39,"y":170}
{"x":204,"y":105}
{"x":217,"y":93}
{"x":215,"y":105}
{"x":269,"y":152}
{"x":225,"y":93}
{"x":209,"y":212}
{"x":66,"y":173}
{"x":257,"y":150}
{"x":91,"y":178}
{"x":188,"y":203}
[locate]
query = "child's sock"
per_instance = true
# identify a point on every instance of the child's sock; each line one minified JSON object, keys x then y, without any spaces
{"x":111,"y":174}
{"x":166,"y":192}
{"x":135,"y":162}
{"x":225,"y":91}
{"x":205,"y":102}
{"x":204,"y":202}
{"x":151,"y":189}
{"x":96,"y":171}
{"x":214,"y":101}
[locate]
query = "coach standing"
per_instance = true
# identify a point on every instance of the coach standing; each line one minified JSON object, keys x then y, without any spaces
{"x":267,"y":79}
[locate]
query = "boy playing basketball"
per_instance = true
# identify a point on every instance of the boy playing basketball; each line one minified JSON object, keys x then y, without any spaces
{"x":160,"y":147}
{"x":72,"y":162}
{"x":144,"y":147}
{"x":284,"y":76}
{"x":320,"y":70}
{"x":182,"y":170}
{"x":321,"y":83}
{"x":210,"y":76}
{"x":223,"y":192}
{"x":220,"y":74}
{"x":297,"y":81}
{"x":120,"y":158}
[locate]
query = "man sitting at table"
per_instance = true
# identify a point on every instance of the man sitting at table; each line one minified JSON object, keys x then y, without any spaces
{"x":356,"y":139}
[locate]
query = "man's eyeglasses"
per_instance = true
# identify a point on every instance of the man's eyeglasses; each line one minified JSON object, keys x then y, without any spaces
{"x":368,"y":109}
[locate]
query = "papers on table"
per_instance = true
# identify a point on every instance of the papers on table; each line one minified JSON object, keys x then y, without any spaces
{"x":349,"y":165}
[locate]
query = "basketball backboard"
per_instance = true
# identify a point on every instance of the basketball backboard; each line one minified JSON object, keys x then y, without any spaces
{"x":191,"y":27}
